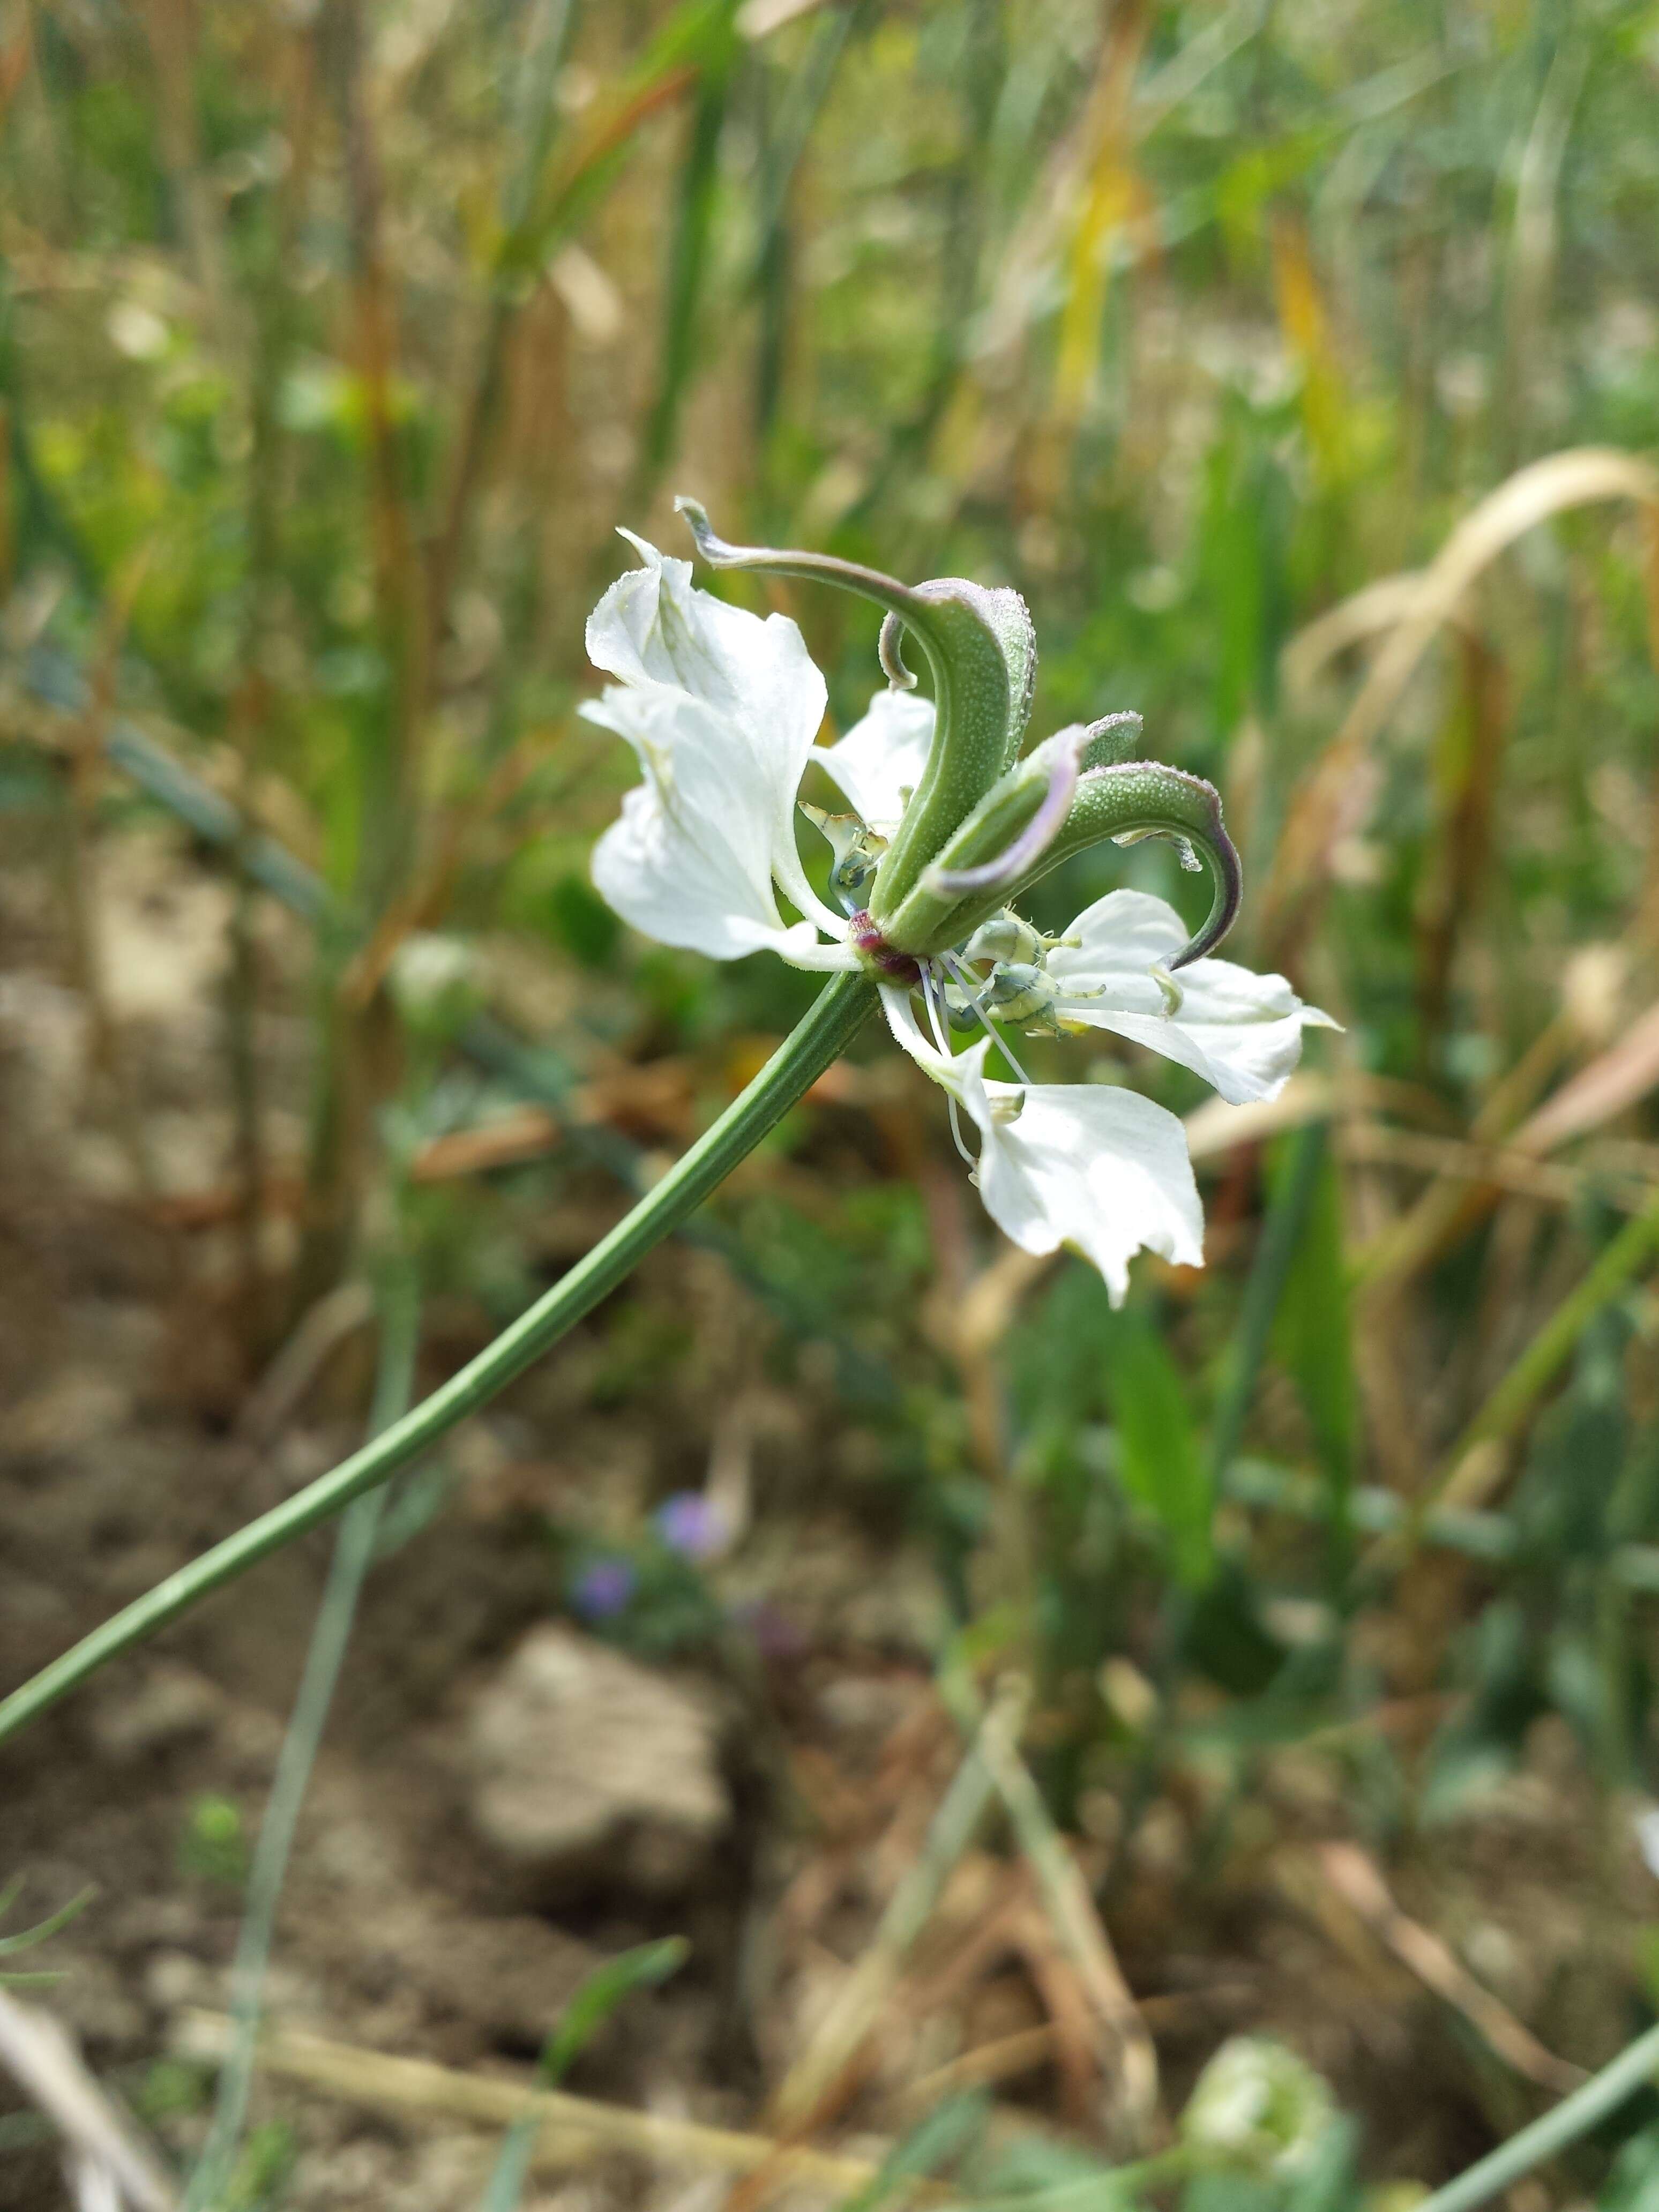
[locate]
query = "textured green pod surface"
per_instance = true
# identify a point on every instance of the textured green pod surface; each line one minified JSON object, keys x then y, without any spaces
{"x":1128,"y":800}
{"x":983,"y":659}
{"x":925,"y":919}
{"x":981,"y":652}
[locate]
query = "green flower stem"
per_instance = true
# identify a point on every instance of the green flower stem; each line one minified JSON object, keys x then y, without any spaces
{"x":817,"y":1040}
{"x":1634,"y":2068}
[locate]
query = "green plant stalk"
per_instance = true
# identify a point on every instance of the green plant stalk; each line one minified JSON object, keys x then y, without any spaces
{"x":1575,"y":2116}
{"x":354,"y":1554}
{"x":1269,"y":1273}
{"x":1533,"y":1372}
{"x":1514,"y":1398}
{"x":817,"y":1040}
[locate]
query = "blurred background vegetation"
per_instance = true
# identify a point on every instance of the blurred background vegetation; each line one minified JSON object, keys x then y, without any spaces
{"x":1298,"y":363}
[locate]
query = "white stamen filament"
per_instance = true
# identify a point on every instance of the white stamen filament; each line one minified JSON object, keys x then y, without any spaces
{"x":929,"y":990}
{"x":965,"y":981}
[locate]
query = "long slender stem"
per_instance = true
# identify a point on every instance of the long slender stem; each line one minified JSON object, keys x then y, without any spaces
{"x":354,"y":1554}
{"x":1533,"y":1372}
{"x":1575,"y":2116}
{"x":816,"y":1040}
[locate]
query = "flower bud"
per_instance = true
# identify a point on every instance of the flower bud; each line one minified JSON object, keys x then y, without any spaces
{"x":434,"y":983}
{"x":1259,"y":2105}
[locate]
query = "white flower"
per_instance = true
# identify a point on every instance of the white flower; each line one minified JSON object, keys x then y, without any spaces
{"x":1080,"y":1163}
{"x":1239,"y":1031}
{"x":1260,"y":2104}
{"x":723,"y":710}
{"x":879,"y":761}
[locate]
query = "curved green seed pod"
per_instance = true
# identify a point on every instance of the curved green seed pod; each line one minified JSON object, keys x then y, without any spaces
{"x":1125,"y":801}
{"x":1007,"y":833}
{"x":1143,"y":798}
{"x":981,"y":655}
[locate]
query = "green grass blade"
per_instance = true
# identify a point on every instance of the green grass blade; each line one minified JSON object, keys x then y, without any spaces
{"x":1159,"y":1463}
{"x":27,"y":1938}
{"x":689,"y":254}
{"x":1635,"y":2068}
{"x":354,"y":1554}
{"x":1312,"y":1335}
{"x":608,"y":1986}
{"x":1281,"y":1234}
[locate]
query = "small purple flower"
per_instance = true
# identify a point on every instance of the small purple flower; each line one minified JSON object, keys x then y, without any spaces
{"x":603,"y":1589}
{"x":690,"y":1524}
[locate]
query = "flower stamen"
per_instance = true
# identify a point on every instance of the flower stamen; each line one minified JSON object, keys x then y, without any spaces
{"x":966,"y":982}
{"x":936,"y":1022}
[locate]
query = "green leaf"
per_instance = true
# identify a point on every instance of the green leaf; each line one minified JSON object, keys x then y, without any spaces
{"x":944,"y":2135}
{"x":28,"y":1937}
{"x":594,"y":2001}
{"x":642,"y":1968}
{"x":1229,"y":2192}
{"x":1159,"y":1463}
{"x":583,"y":922}
{"x":1633,"y":2184}
{"x":1312,"y":1331}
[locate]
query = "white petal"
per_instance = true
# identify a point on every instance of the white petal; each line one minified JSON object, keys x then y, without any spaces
{"x":881,"y":758}
{"x":1104,"y":1171}
{"x":688,"y":862}
{"x":1239,"y":1031}
{"x":653,"y":626}
{"x":901,"y":1019}
{"x":1101,"y":1169}
{"x":752,"y":693}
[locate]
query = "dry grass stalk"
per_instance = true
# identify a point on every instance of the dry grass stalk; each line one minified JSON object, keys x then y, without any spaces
{"x":862,"y":1998}
{"x":108,"y":2165}
{"x":1494,"y":1167}
{"x":1444,"y":1210}
{"x":1607,"y":1085}
{"x":271,"y":1403}
{"x":1321,"y":811}
{"x":573,"y":2129}
{"x":1007,"y":2057}
{"x":1358,"y":1882}
{"x":1127,"y":2047}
